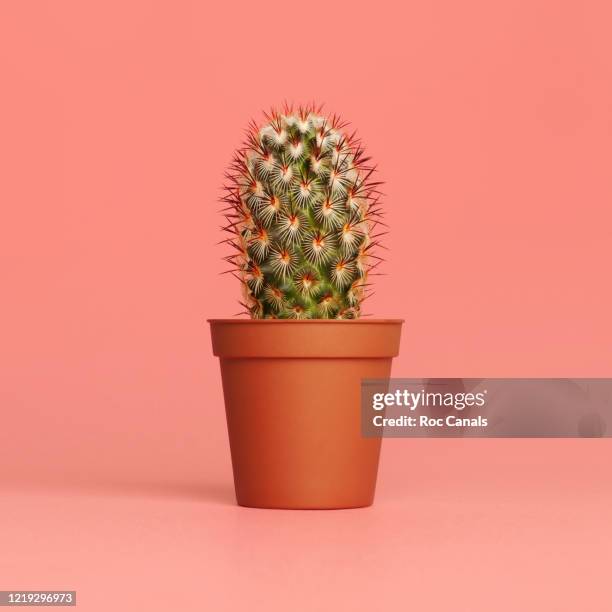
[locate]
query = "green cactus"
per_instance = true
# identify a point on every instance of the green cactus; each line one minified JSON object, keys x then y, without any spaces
{"x":301,"y":211}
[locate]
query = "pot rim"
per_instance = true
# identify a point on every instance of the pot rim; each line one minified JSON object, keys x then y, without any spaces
{"x":307,"y":321}
{"x":303,"y":339}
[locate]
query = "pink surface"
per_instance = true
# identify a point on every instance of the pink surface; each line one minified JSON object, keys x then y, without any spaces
{"x":491,"y":125}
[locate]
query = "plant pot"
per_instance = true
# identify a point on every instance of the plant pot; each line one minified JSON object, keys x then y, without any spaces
{"x":293,"y":404}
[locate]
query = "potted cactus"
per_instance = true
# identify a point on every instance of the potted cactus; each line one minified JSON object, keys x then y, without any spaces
{"x":302,"y":210}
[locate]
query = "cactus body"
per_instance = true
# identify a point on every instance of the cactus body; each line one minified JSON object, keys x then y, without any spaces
{"x":301,"y":209}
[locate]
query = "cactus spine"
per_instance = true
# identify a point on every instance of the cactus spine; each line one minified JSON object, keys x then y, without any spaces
{"x":301,"y":210}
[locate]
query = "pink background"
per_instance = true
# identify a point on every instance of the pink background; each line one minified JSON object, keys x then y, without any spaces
{"x":491,"y":123}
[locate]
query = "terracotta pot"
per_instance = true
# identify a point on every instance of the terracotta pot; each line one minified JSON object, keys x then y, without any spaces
{"x":292,"y":398}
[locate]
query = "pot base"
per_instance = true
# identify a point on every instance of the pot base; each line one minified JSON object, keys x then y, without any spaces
{"x":305,"y":507}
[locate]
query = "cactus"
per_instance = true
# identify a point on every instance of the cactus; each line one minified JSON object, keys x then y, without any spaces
{"x":301,"y":210}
